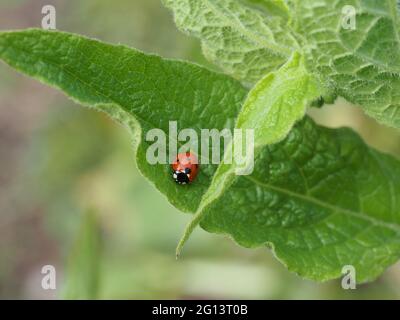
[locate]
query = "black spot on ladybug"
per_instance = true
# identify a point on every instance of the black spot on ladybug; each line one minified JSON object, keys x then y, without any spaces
{"x":181,"y":177}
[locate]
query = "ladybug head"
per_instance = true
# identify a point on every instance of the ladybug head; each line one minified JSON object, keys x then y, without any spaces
{"x":182,"y":177}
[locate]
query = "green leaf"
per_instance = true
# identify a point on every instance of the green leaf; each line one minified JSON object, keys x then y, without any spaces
{"x":83,"y":270}
{"x":362,"y":65}
{"x":320,"y":198}
{"x":245,"y":41}
{"x":277,"y":101}
{"x":142,"y":91}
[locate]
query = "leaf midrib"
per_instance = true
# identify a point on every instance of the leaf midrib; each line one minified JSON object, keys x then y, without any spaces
{"x":325,"y":205}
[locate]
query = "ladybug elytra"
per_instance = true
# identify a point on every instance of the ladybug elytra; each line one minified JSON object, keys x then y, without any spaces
{"x":185,"y":168}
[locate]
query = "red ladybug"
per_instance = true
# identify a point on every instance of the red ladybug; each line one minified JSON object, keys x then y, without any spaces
{"x":185,"y":168}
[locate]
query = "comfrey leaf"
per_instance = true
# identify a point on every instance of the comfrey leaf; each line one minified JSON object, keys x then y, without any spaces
{"x":140,"y":90}
{"x":354,"y":46}
{"x":321,"y":200}
{"x":243,"y":40}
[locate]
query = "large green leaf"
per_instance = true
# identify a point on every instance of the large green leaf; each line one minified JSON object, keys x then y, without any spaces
{"x":142,"y":91}
{"x":245,"y":41}
{"x":320,"y":197}
{"x":361,"y":64}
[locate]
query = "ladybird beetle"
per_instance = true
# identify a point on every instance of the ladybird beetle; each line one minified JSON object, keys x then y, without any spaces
{"x":185,"y":168}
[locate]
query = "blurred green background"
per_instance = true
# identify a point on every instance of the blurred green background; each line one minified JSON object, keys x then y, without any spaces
{"x":71,"y":196}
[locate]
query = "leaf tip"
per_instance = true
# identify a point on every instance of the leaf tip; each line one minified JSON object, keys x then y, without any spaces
{"x":179,"y":247}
